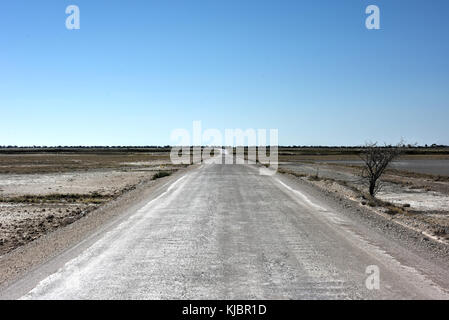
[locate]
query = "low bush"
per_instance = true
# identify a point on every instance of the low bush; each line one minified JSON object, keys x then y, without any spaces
{"x":161,"y":174}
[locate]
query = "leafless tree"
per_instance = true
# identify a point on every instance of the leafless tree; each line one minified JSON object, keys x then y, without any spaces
{"x":376,"y":160}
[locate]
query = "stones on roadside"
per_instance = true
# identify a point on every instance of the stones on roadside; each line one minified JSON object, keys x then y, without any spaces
{"x":441,"y":231}
{"x":69,"y":220}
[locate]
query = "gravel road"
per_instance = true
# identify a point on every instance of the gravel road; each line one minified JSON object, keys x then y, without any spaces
{"x":226,"y":232}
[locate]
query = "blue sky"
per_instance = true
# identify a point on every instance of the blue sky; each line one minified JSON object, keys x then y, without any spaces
{"x":136,"y":70}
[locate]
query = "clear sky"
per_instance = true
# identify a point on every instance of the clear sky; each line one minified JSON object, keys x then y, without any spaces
{"x":136,"y":70}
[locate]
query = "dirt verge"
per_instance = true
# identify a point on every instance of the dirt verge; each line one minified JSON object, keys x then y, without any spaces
{"x":421,"y":227}
{"x":37,"y":252}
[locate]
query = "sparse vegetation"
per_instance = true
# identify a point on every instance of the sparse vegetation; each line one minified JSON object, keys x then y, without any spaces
{"x":70,"y":161}
{"x":294,"y":173}
{"x":161,"y":174}
{"x":393,"y":210}
{"x":57,"y":198}
{"x":314,"y":178}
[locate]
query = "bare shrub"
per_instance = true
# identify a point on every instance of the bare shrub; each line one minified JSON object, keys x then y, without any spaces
{"x":376,"y":159}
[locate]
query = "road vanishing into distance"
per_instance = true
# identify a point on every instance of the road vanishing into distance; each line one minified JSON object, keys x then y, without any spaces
{"x":227,"y":232}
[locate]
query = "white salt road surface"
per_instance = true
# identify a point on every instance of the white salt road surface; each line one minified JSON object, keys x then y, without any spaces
{"x":226,"y":232}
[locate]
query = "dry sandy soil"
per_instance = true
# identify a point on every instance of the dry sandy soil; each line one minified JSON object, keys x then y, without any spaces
{"x":42,"y":192}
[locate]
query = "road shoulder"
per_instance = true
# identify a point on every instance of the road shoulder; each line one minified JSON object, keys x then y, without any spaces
{"x":59,"y":245}
{"x":395,"y":232}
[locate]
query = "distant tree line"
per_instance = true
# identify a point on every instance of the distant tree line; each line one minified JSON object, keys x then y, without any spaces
{"x":83,"y":147}
{"x":169,"y":146}
{"x":90,"y":149}
{"x":283,"y":150}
